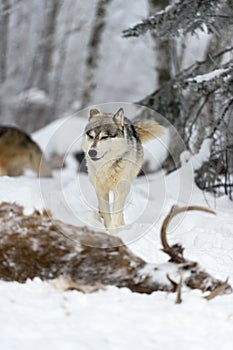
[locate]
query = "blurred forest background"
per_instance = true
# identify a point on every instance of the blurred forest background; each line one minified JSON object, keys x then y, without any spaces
{"x":58,"y":56}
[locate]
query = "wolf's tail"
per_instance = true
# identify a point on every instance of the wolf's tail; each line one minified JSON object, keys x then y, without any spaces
{"x":148,"y":130}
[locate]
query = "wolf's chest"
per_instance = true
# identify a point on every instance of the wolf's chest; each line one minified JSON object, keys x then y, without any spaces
{"x":108,"y":175}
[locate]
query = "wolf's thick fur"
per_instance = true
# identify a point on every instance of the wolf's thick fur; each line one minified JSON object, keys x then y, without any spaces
{"x":19,"y":152}
{"x":148,"y":130}
{"x":114,"y":155}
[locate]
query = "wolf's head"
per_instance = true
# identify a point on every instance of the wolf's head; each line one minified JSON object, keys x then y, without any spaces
{"x":104,"y":137}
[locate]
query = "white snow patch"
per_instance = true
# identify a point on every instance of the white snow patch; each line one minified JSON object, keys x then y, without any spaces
{"x":34,"y":96}
{"x":39,"y":316}
{"x":62,"y":136}
{"x":198,"y":159}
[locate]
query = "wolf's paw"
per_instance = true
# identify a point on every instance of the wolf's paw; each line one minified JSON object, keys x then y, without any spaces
{"x":113,"y":230}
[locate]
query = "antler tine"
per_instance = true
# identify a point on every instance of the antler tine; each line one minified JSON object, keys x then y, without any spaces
{"x":176,"y":251}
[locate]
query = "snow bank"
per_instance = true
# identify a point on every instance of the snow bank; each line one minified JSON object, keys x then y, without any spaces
{"x":61,"y":135}
{"x":41,"y":317}
{"x":44,"y":317}
{"x":34,"y":96}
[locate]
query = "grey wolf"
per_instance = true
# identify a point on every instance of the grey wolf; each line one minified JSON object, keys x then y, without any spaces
{"x":113,"y":149}
{"x":19,"y":152}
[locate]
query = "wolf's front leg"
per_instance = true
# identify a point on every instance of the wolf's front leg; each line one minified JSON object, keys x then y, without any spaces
{"x":120,"y":194}
{"x":104,"y":207}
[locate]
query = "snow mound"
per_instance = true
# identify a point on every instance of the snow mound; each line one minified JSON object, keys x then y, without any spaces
{"x":34,"y":96}
{"x":61,"y":135}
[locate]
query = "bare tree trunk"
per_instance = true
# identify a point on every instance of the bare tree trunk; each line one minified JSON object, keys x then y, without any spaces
{"x":162,"y":48}
{"x":215,"y":46}
{"x":93,"y":52}
{"x":221,"y":157}
{"x":47,"y":53}
{"x":58,"y":73}
{"x":229,"y":155}
{"x":42,"y":64}
{"x":216,"y":174}
{"x":167,"y":64}
{"x":4,"y":26}
{"x":31,"y":115}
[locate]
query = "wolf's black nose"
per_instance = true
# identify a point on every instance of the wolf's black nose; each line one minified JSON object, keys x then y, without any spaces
{"x":92,"y":153}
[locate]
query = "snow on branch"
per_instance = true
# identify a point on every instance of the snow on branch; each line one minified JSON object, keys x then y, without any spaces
{"x":184,"y":16}
{"x":214,"y":79}
{"x":204,"y":84}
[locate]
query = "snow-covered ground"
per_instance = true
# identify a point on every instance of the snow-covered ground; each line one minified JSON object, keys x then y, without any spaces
{"x":37,"y":315}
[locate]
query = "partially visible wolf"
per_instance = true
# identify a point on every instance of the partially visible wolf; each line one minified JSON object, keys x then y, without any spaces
{"x":18,"y":152}
{"x":114,"y":155}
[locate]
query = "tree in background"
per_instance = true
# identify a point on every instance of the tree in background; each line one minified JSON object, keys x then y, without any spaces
{"x":198,"y":100}
{"x":93,"y":52}
{"x":4,"y":32}
{"x":41,"y":69}
{"x":4,"y":25}
{"x":49,"y":55}
{"x":161,"y":47}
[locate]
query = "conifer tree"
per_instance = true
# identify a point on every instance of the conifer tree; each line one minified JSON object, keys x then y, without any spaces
{"x":198,"y":100}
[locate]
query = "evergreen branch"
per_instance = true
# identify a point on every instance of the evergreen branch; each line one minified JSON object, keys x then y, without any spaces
{"x":202,"y":83}
{"x":198,"y":65}
{"x":222,"y":185}
{"x":210,"y":80}
{"x":149,"y":23}
{"x":184,"y":16}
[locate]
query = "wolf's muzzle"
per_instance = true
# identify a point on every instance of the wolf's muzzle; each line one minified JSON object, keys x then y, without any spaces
{"x":93,"y":153}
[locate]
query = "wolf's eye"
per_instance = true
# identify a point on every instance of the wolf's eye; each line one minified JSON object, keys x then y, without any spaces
{"x":90,"y":136}
{"x":104,"y":137}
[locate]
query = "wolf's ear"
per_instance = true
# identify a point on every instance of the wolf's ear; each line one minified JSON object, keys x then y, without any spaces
{"x":119,"y":118}
{"x":93,"y":112}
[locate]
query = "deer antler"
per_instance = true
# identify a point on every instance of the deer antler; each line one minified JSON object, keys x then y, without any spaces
{"x":176,"y":251}
{"x":217,"y":291}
